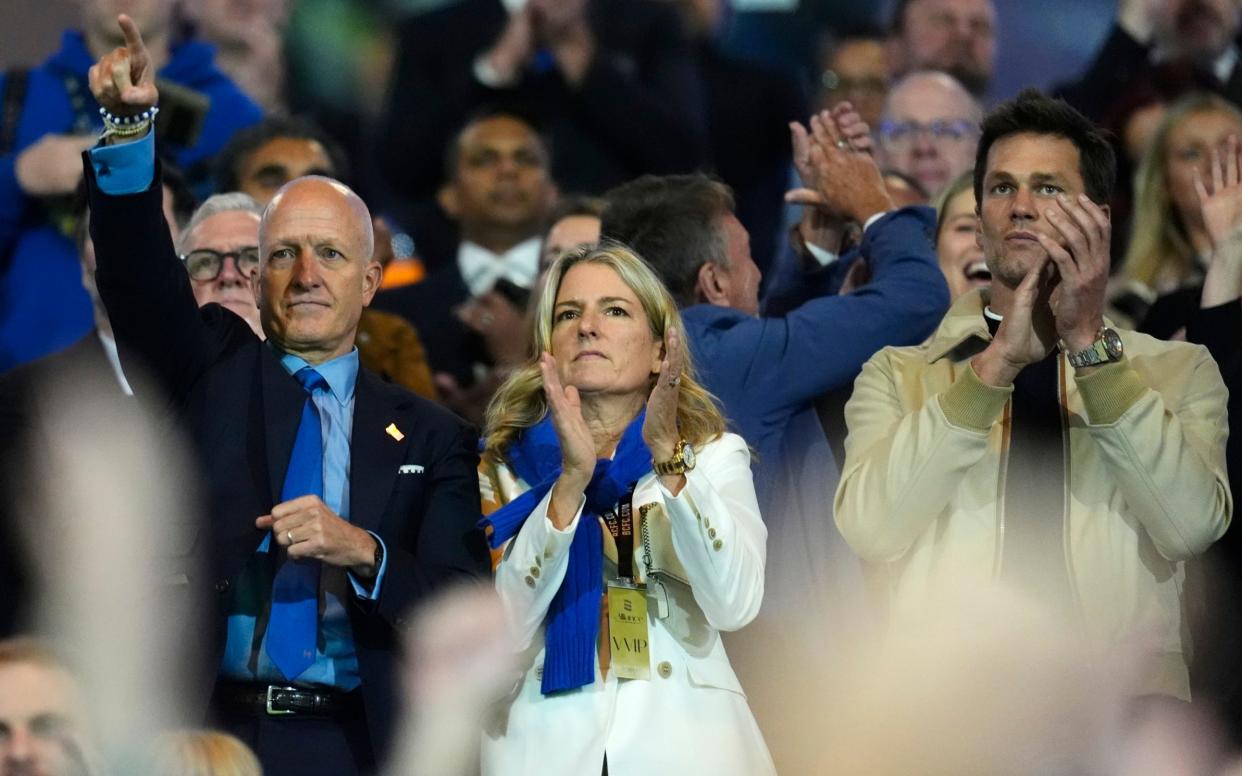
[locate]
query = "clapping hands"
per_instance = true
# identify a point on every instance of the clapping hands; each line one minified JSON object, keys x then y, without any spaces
{"x":1220,"y":201}
{"x":833,"y":159}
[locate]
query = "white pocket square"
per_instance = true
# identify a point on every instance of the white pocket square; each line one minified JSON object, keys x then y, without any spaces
{"x":410,"y":468}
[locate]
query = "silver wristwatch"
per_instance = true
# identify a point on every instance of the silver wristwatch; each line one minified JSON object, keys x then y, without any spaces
{"x":1106,"y":349}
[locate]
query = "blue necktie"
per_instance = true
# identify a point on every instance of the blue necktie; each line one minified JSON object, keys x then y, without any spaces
{"x":294,"y":623}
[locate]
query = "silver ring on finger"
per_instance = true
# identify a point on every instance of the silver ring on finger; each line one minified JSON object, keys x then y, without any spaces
{"x":289,"y":536}
{"x":676,"y":381}
{"x":843,"y":145}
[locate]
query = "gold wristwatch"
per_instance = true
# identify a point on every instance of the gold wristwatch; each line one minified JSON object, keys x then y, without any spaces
{"x":681,"y":462}
{"x":1106,"y":349}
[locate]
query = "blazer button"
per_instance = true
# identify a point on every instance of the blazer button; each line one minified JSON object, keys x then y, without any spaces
{"x":665,"y":669}
{"x":539,"y":672}
{"x":530,"y":581}
{"x":534,"y":572}
{"x":711,"y":533}
{"x":716,"y":545}
{"x":707,"y":523}
{"x":222,"y":585}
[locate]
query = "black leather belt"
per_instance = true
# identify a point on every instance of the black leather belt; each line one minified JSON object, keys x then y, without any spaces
{"x":280,"y":701}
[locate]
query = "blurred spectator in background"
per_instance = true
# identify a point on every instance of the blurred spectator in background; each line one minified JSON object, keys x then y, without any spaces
{"x":263,"y":158}
{"x":499,"y":193}
{"x":748,"y":108}
{"x":855,"y":69}
{"x":1213,"y":318}
{"x":202,"y":753}
{"x":499,"y":320}
{"x":961,"y":258}
{"x":613,"y":84}
{"x":247,"y":36}
{"x":53,"y":118}
{"x":42,"y":714}
{"x":1158,"y":285}
{"x":957,"y":37}
{"x":573,"y":222}
{"x":929,"y":129}
{"x":1152,"y":42}
{"x":220,"y":250}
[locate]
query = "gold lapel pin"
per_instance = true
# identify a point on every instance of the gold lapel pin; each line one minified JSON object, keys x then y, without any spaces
{"x":394,"y":432}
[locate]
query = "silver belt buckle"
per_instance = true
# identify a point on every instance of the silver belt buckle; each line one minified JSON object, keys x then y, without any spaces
{"x":278,"y":712}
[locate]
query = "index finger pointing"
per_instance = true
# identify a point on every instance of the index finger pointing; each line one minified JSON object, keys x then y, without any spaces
{"x":133,"y":36}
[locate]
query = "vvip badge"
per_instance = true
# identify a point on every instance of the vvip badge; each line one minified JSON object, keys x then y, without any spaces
{"x":394,"y":432}
{"x":627,"y":631}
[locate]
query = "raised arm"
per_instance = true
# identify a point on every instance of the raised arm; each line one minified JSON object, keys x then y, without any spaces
{"x":140,"y":278}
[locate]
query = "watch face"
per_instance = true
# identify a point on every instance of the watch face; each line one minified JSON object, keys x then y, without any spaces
{"x":687,"y":455}
{"x":1112,"y":344}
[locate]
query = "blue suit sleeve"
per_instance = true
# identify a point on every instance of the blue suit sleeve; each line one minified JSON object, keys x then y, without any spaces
{"x":125,"y":168}
{"x":360,"y":589}
{"x":822,"y":344}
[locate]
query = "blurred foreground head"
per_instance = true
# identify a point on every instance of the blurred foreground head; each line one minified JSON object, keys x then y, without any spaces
{"x":112,"y":532}
{"x":42,"y":719}
{"x":982,"y":682}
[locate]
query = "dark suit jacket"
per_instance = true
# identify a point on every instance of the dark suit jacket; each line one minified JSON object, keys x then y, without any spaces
{"x":1123,"y":73}
{"x":20,"y":389}
{"x":242,"y":409}
{"x":429,"y":305}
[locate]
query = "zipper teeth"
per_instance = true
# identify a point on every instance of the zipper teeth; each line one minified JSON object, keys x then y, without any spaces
{"x":646,"y":532}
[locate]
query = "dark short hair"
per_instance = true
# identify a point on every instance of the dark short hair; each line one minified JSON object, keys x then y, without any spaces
{"x":1033,"y":112}
{"x":574,"y":205}
{"x":673,"y":222}
{"x":452,"y":152}
{"x":246,"y":141}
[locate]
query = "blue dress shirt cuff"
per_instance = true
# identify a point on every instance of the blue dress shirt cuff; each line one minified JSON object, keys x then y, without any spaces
{"x":361,"y":590}
{"x":125,"y":168}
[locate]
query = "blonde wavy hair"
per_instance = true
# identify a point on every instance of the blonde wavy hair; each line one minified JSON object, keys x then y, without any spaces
{"x":520,"y":403}
{"x":1160,"y":250}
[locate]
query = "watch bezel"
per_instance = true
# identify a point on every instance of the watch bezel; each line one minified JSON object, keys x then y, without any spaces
{"x":687,"y":455}
{"x":1113,"y":344}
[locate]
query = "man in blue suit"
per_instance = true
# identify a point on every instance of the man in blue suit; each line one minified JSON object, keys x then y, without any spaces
{"x":768,"y":371}
{"x":337,"y":501}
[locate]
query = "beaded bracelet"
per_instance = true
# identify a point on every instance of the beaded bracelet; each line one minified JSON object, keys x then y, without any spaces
{"x":127,"y":126}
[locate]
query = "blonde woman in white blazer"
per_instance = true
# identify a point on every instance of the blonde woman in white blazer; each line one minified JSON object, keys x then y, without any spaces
{"x":606,"y":459}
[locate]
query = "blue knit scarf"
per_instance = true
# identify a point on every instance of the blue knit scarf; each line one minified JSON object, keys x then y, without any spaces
{"x":573,"y":618}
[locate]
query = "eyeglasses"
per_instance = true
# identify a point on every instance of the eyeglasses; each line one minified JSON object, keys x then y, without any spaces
{"x":205,"y":264}
{"x":837,"y":83}
{"x":902,"y":134}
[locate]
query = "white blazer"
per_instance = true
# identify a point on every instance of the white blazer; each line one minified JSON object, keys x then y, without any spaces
{"x":691,"y":716}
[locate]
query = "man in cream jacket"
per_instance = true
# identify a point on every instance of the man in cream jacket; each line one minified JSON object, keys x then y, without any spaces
{"x":1029,"y":443}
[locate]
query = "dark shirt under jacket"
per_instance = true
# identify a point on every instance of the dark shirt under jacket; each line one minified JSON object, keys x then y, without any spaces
{"x":1215,"y":583}
{"x":242,"y":408}
{"x":430,"y":305}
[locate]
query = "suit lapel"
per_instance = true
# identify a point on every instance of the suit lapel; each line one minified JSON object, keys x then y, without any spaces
{"x":282,"y":400}
{"x":374,"y":454}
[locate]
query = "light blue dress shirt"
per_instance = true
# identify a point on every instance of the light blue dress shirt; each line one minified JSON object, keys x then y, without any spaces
{"x":129,"y":168}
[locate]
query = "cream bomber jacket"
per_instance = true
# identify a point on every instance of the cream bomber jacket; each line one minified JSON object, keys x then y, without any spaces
{"x":921,"y":492}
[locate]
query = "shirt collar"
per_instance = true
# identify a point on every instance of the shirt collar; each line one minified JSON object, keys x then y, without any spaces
{"x":1222,"y":67}
{"x":341,"y":373}
{"x":481,"y":268}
